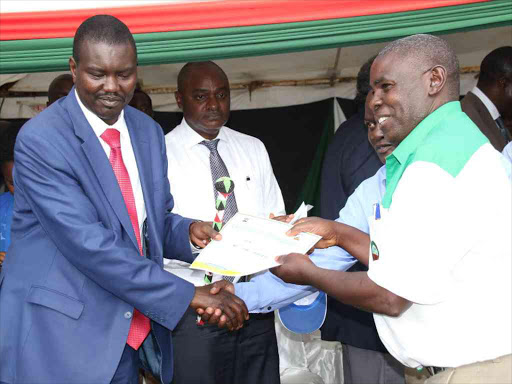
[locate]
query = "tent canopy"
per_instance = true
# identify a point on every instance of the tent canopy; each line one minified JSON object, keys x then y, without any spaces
{"x":275,"y":52}
{"x":42,"y":41}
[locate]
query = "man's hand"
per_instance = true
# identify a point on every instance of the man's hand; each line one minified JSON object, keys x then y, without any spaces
{"x":2,"y":257}
{"x":283,"y":218}
{"x":212,"y":315}
{"x":222,"y":285}
{"x":318,"y":226}
{"x":295,"y":268}
{"x":227,"y":309}
{"x":201,"y":233}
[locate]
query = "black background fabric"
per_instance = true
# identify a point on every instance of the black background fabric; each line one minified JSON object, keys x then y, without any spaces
{"x":14,"y":124}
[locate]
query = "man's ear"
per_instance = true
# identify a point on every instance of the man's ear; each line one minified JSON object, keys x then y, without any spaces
{"x":178,"y":97}
{"x":437,"y":80}
{"x":502,"y":82}
{"x":72,"y":68}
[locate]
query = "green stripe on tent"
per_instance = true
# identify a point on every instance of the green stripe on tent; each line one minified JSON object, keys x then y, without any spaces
{"x":45,"y":55}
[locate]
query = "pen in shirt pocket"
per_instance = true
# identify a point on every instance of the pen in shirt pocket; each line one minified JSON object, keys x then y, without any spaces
{"x":376,"y":208}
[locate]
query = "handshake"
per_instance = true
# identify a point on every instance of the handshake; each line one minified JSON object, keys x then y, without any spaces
{"x":217,"y":304}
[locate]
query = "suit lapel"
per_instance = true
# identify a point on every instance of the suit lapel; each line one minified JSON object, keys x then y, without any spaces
{"x":485,"y":114}
{"x":488,"y":125}
{"x":100,"y":164}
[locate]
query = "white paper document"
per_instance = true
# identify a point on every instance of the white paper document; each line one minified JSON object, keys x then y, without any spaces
{"x":301,"y":212}
{"x":249,"y":244}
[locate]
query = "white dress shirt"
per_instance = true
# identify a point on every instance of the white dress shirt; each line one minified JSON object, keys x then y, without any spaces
{"x":99,"y":126}
{"x":487,"y":102}
{"x":507,"y":152}
{"x":256,"y":189}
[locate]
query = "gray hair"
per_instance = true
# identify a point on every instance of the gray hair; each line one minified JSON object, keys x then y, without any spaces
{"x":428,"y":51}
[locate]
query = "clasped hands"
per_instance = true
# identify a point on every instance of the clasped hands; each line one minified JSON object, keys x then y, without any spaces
{"x":216,"y":303}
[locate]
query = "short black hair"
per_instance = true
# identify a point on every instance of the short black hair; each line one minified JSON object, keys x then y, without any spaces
{"x":363,"y":81}
{"x":187,"y":68}
{"x":495,"y":65}
{"x":428,"y":51}
{"x":8,"y":139}
{"x":105,"y":29}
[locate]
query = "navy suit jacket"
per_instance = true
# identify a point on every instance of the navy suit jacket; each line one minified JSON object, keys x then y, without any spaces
{"x":73,"y":273}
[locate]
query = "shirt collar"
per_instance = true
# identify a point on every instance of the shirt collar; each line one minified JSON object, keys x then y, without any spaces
{"x":98,"y":125}
{"x":487,"y":102}
{"x":382,"y":175}
{"x":409,"y":145}
{"x":191,"y":137}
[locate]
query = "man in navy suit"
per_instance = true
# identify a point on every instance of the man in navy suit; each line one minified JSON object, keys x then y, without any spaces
{"x":83,"y":294}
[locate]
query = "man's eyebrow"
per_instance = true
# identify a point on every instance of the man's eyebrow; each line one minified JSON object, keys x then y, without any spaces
{"x":130,"y":68}
{"x":207,"y":90}
{"x":94,"y":67}
{"x":99,"y":68}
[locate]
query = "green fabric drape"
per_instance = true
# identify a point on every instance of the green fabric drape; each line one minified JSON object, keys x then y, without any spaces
{"x":42,"y":55}
{"x":310,"y":193}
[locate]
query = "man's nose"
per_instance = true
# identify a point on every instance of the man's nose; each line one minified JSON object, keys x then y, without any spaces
{"x":111,"y":84}
{"x":213,"y":104}
{"x":375,"y":101}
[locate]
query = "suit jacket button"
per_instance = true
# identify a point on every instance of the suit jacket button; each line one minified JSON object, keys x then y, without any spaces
{"x":128,"y":315}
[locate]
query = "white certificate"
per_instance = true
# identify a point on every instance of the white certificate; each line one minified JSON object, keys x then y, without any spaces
{"x":249,"y":244}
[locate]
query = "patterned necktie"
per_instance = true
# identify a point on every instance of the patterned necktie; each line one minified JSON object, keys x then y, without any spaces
{"x":501,"y":125}
{"x":140,"y":325}
{"x":218,"y":170}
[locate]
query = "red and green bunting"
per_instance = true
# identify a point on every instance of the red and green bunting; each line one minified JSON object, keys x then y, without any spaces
{"x":175,"y":33}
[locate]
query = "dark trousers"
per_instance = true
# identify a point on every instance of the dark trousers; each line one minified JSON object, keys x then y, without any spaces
{"x":209,"y":355}
{"x":127,"y":371}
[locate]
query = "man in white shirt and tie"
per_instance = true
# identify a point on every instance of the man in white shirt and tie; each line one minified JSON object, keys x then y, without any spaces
{"x":200,"y":150}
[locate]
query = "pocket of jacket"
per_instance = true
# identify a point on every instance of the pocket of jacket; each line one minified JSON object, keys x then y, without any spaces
{"x":55,"y":300}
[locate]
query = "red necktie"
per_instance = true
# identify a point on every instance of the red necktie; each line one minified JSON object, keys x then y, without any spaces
{"x":140,"y":326}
